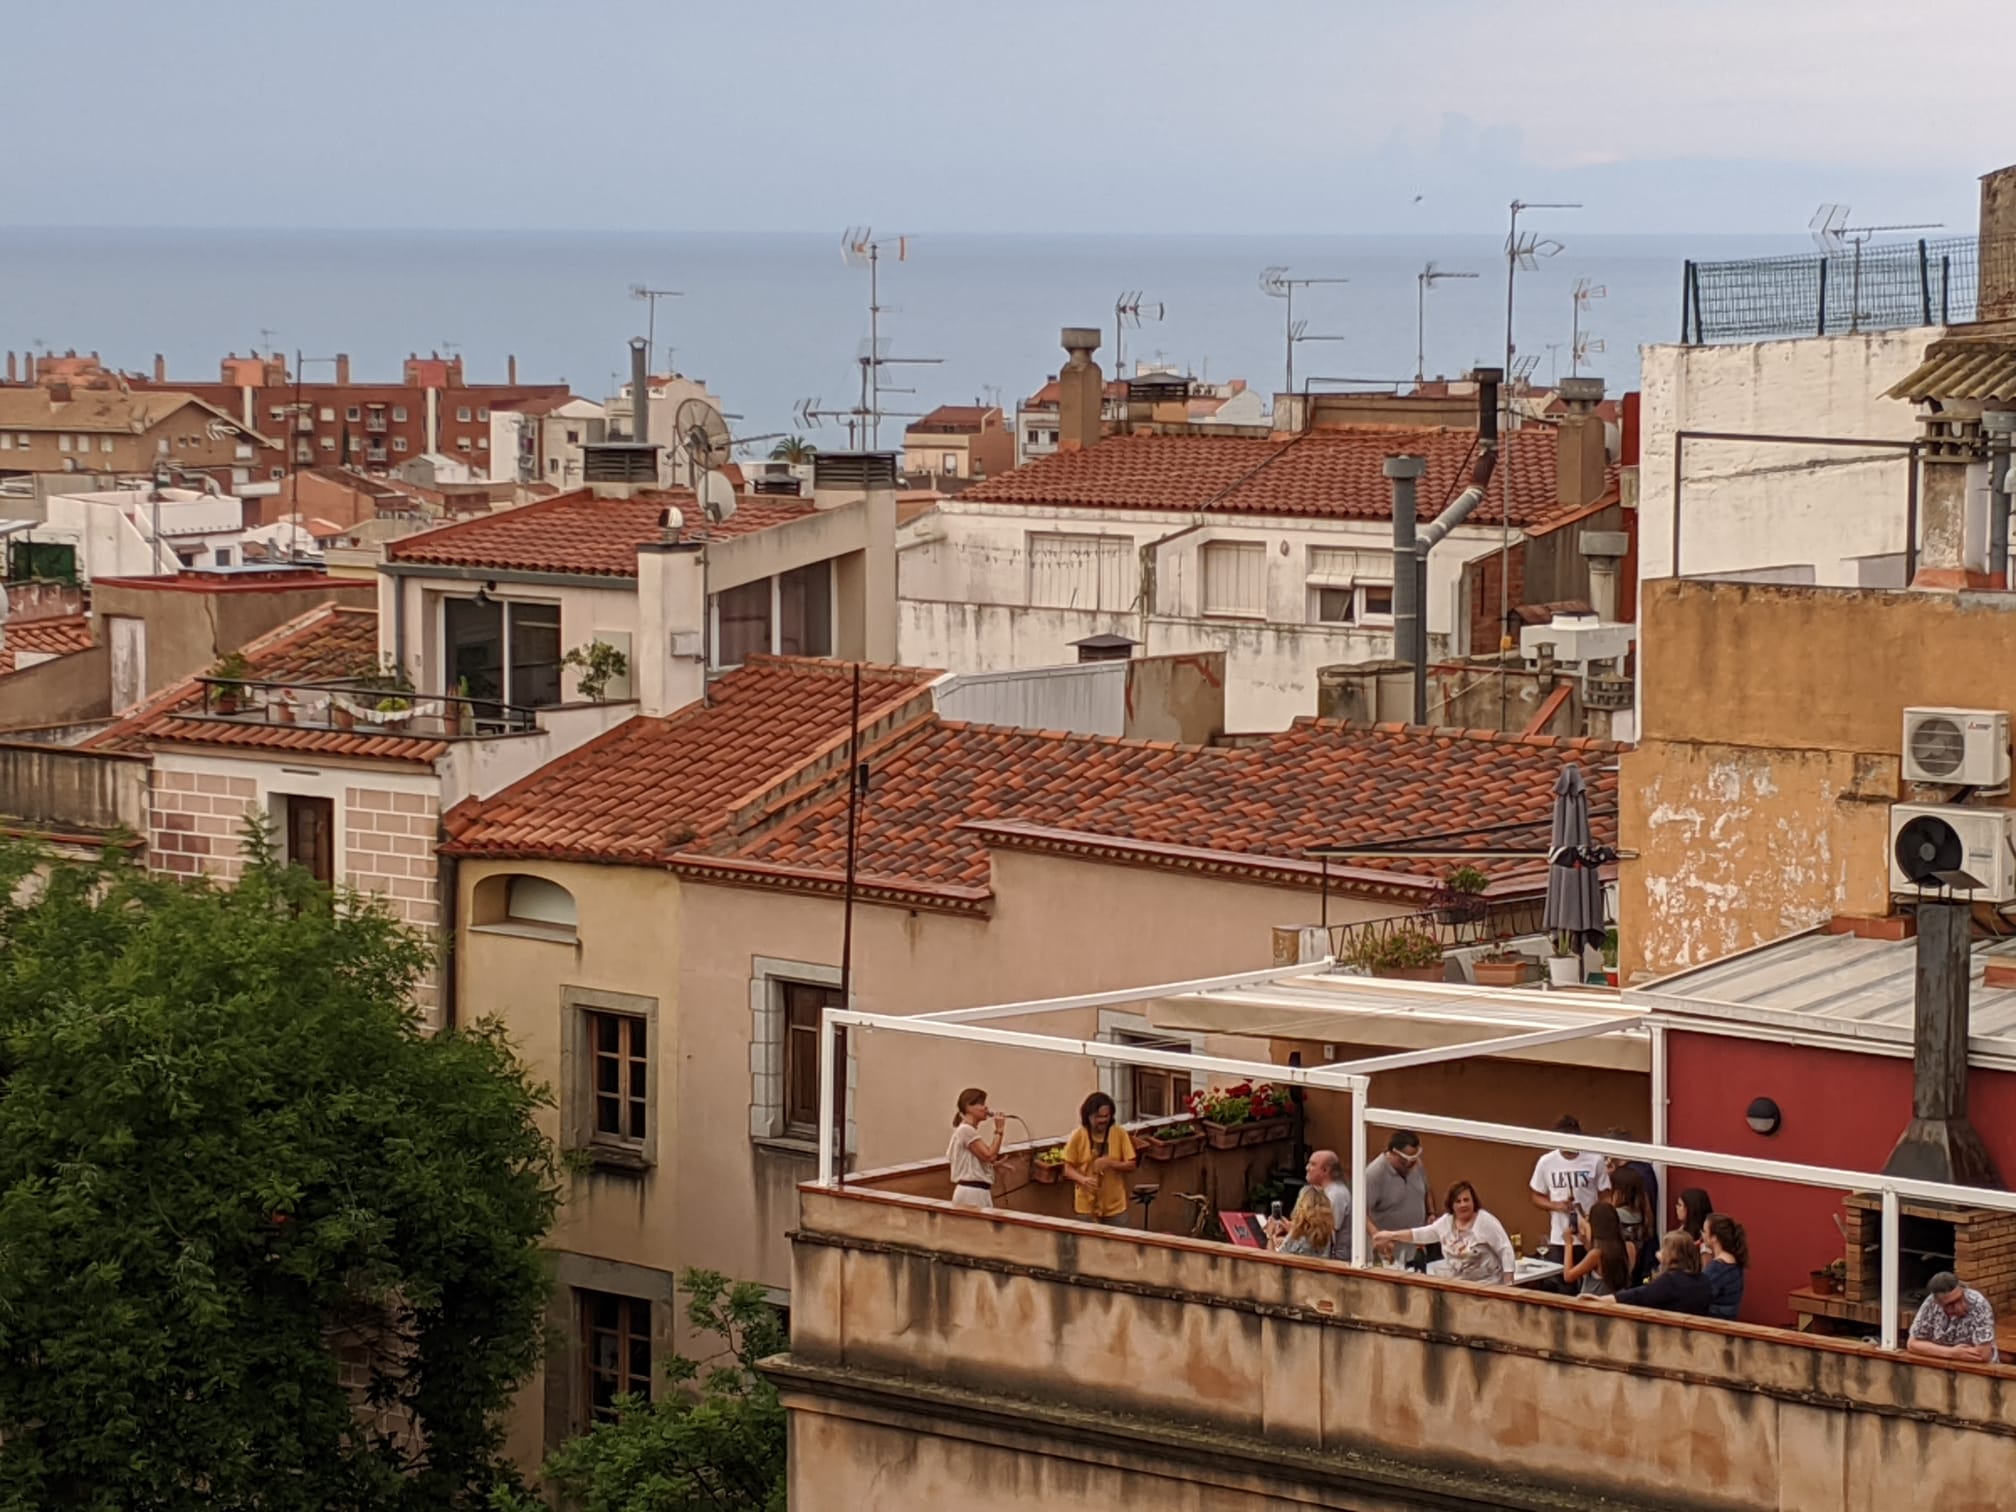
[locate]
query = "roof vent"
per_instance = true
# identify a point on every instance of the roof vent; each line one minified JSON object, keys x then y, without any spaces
{"x":620,"y":462}
{"x":862,"y":470}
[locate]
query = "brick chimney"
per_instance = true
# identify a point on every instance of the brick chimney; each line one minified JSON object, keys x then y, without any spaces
{"x":511,"y":369}
{"x":342,"y":368}
{"x":160,"y":368}
{"x":1949,"y":554}
{"x":1997,"y":297}
{"x":1582,"y":454}
{"x":1081,"y":391}
{"x":10,"y":366}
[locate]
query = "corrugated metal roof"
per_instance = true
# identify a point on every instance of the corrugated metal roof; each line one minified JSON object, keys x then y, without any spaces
{"x":1837,"y":985}
{"x":1962,"y":370}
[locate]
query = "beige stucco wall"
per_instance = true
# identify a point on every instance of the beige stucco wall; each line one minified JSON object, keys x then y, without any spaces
{"x":1758,"y":797}
{"x":1052,"y":1363}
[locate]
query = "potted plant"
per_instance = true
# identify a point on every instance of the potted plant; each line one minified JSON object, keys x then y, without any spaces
{"x":1564,"y":966}
{"x":228,"y":681}
{"x":1460,"y":899}
{"x":1610,"y":955}
{"x":1829,"y":1280}
{"x":599,"y":664}
{"x":1408,"y":953}
{"x":456,"y":712}
{"x":1048,"y":1166}
{"x":1247,"y":1113}
{"x":1170,"y":1141}
{"x":394,"y":709}
{"x":282,"y":707}
{"x":1505,"y":967}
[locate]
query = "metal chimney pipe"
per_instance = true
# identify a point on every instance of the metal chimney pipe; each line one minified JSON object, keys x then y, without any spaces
{"x":1940,"y":1144}
{"x":640,"y":389}
{"x":1487,"y":380}
{"x":2000,"y":428}
{"x":1410,"y":641}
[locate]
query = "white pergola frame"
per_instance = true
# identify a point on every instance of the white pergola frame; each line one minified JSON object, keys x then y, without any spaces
{"x":971,"y":1025}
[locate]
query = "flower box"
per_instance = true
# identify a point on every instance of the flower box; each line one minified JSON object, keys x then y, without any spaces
{"x":1154,"y":1147}
{"x":1436,"y":973}
{"x":1252,"y":1131}
{"x":1517,"y":973}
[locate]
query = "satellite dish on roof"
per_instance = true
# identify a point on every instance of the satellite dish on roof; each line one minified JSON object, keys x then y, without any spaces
{"x":699,"y":428}
{"x":717,"y":496}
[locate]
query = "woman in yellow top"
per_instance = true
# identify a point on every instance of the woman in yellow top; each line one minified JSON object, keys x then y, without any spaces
{"x":1096,"y":1156}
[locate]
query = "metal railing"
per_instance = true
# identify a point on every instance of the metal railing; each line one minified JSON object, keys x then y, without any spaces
{"x":1458,"y":924}
{"x":1880,"y":287}
{"x":355,"y":705}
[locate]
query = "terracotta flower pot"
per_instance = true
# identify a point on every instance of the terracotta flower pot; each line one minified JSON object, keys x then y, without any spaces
{"x":1824,"y":1283}
{"x":1436,"y":973}
{"x":1506,"y":973}
{"x":1046,"y":1171}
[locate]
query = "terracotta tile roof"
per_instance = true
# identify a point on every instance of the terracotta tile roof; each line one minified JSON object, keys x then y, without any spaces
{"x":1332,"y":474}
{"x":1051,"y":395}
{"x":1320,"y":783}
{"x":324,"y":644}
{"x":58,"y":635}
{"x":577,"y":532}
{"x":651,"y":786}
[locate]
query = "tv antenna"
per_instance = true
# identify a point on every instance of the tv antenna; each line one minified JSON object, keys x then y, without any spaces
{"x":640,"y":291}
{"x":1276,"y":284}
{"x":1833,"y":235}
{"x":1580,"y":346}
{"x":859,"y":248}
{"x":1427,"y":278}
{"x":1130,"y":309}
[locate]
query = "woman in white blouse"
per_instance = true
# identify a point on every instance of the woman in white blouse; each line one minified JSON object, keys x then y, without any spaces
{"x":1475,"y":1246}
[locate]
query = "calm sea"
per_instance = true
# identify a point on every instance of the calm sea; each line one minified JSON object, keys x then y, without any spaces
{"x":769,"y":321}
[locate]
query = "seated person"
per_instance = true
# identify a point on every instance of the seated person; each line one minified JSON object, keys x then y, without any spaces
{"x":1954,"y":1322}
{"x":1308,"y":1230}
{"x":1475,"y":1246}
{"x":1679,"y":1287}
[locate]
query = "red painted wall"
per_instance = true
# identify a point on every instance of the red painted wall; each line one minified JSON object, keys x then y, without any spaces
{"x":1838,"y":1108}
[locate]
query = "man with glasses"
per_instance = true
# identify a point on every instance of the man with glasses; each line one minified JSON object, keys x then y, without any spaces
{"x":1395,"y":1195}
{"x":1954,"y":1322}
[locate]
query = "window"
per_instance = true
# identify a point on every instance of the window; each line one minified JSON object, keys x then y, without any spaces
{"x":573,"y":438}
{"x":1336,"y":606}
{"x":105,"y":444}
{"x":278,"y":412}
{"x":483,"y":414}
{"x":534,"y":900}
{"x":802,"y":1003}
{"x":328,"y":444}
{"x":223,"y":555}
{"x":1375,"y":603}
{"x":805,"y":611}
{"x":398,"y":443}
{"x":462,"y":443}
{"x":308,"y":828}
{"x":276,"y":472}
{"x":1081,"y":571}
{"x":244,"y":453}
{"x":462,"y":414}
{"x":6,"y":440}
{"x":552,"y":464}
{"x":619,"y":1070}
{"x":482,"y":443}
{"x":63,"y":441}
{"x":615,"y":1350}
{"x":507,"y":651}
{"x":1052,"y":438}
{"x":352,"y":413}
{"x":399,"y":413}
{"x":1034,"y":436}
{"x":1235,"y":576}
{"x":1155,"y":1091}
{"x":328,"y":415}
{"x":952,"y":463}
{"x":743,"y":623}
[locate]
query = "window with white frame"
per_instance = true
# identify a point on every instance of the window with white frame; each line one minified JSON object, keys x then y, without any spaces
{"x":610,"y":1082}
{"x":786,"y":1000}
{"x":1081,"y":571}
{"x":1143,"y":1091}
{"x":1349,"y":586}
{"x":1234,"y":577}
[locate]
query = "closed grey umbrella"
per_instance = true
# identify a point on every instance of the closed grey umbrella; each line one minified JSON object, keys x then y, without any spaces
{"x":1574,"y":882}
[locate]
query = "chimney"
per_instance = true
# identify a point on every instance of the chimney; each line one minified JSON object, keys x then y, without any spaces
{"x":1604,"y":550}
{"x":10,"y":366}
{"x":59,"y":391}
{"x":864,"y":580}
{"x":1949,"y":555}
{"x":511,"y":369}
{"x":670,"y":668}
{"x":842,"y":477}
{"x":342,"y":369}
{"x":1081,"y":391}
{"x":1996,"y":299}
{"x":28,"y":360}
{"x":640,"y":389}
{"x":1940,"y":1144}
{"x":160,"y":368}
{"x":1582,"y":454}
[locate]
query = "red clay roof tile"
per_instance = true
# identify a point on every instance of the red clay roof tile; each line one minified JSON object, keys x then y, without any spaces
{"x":1321,"y":474}
{"x":578,"y":532}
{"x":59,"y":635}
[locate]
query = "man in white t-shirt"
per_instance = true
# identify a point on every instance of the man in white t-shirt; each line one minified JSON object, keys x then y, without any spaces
{"x":1565,"y":1183}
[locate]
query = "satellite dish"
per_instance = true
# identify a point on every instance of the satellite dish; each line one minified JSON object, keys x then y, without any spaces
{"x":701,"y":430}
{"x":1929,"y":851}
{"x":717,"y":496}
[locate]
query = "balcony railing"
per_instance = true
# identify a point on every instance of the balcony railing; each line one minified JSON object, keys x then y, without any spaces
{"x":354,"y":705}
{"x":1464,"y":922}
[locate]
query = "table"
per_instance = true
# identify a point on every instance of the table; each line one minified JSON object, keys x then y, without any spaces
{"x":1532,"y":1271}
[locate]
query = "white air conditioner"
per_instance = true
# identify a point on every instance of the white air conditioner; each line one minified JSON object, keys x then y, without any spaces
{"x":1959,"y":747}
{"x":1931,"y":838}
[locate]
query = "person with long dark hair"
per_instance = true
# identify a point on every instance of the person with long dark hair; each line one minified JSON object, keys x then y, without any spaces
{"x":1725,"y":1253}
{"x":1098,"y":1153}
{"x":972,"y":1157}
{"x":1635,"y":1217}
{"x":1691,"y":1209}
{"x":1605,"y":1269}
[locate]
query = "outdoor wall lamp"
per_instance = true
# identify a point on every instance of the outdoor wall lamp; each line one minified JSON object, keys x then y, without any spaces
{"x":1762,"y":1115}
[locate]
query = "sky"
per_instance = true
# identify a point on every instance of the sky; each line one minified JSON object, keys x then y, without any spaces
{"x":1043,"y":116}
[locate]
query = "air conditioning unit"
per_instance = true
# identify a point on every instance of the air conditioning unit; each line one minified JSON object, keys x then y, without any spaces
{"x":1931,"y":839}
{"x":1959,"y":747}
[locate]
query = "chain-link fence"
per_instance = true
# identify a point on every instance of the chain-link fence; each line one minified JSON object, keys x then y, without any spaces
{"x":1864,"y":287}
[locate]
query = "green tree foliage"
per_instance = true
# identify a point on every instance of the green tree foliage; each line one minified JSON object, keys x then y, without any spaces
{"x":226,"y":1144}
{"x":712,"y":1442}
{"x":793,"y":449}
